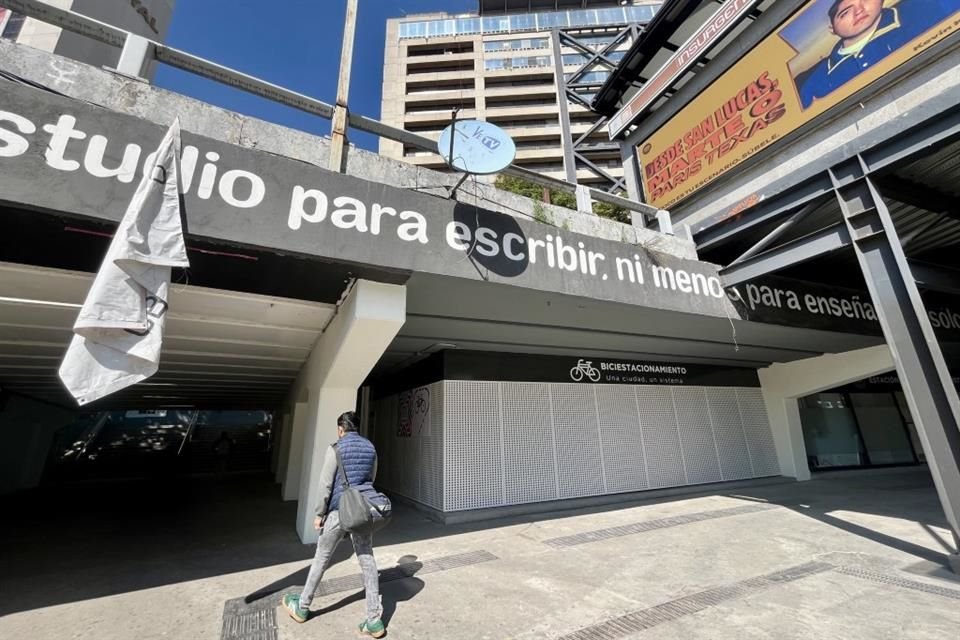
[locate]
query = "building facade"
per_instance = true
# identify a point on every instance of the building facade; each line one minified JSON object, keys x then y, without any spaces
{"x":791,"y":156}
{"x":502,"y":65}
{"x":147,"y":18}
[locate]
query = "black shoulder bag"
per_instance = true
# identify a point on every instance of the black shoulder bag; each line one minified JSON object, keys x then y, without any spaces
{"x":361,"y":511}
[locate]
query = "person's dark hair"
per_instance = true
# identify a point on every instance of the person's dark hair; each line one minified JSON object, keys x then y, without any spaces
{"x":834,"y":7}
{"x":347,"y":421}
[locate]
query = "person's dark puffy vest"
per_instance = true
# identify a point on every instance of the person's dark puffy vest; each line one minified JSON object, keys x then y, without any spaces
{"x":358,"y":456}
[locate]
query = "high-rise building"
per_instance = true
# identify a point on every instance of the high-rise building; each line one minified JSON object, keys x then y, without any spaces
{"x":147,"y":18}
{"x":524,"y":65}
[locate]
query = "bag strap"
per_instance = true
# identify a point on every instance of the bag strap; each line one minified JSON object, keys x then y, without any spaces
{"x":343,"y":474}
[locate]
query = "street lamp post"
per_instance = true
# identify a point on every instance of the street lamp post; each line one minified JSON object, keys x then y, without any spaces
{"x":338,"y":132}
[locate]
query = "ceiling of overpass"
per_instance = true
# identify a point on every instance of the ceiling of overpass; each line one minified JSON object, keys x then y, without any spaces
{"x":923,"y":198}
{"x":240,"y":350}
{"x":221,"y":348}
{"x":486,"y":317}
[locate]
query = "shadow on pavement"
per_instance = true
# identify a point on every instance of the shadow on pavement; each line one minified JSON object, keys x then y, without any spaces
{"x":391,"y":593}
{"x":77,"y":542}
{"x":906,"y":493}
{"x":71,"y":543}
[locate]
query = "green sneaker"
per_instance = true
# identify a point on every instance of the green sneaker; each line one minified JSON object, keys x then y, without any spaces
{"x":292,"y":604}
{"x":374,"y":629}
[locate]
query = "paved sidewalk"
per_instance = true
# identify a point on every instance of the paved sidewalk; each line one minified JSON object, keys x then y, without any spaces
{"x":850,"y":555}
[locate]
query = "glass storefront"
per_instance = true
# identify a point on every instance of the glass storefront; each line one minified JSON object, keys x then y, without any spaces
{"x":866,"y":424}
{"x":541,"y":21}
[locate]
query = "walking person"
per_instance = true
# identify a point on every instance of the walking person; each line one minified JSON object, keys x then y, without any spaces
{"x":360,"y":467}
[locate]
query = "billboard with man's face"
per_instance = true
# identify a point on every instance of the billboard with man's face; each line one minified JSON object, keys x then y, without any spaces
{"x":827,"y":51}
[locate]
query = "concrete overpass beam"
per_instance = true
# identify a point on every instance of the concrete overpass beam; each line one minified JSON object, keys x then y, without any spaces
{"x":343,"y":356}
{"x":783,"y":383}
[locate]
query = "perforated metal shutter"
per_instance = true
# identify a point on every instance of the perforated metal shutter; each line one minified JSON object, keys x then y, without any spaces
{"x":732,"y":448}
{"x":662,"y":451}
{"x":621,"y":438}
{"x":696,"y":435}
{"x":763,"y":452}
{"x":472,"y":447}
{"x":580,"y":466}
{"x":529,"y":463}
{"x":431,"y":448}
{"x":494,"y":444}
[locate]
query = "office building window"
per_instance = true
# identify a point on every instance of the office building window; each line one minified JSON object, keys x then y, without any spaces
{"x":10,"y":24}
{"x":513,"y":45}
{"x":518,"y":63}
{"x":543,"y":21}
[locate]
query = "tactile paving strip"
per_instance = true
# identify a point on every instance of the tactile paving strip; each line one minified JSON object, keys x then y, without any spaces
{"x":904,"y":583}
{"x":255,"y":624}
{"x":652,"y":525}
{"x":668,"y":611}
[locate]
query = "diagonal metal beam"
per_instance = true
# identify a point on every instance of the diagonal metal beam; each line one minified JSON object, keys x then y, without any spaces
{"x":595,"y":58}
{"x":820,"y":243}
{"x":616,"y":183}
{"x":771,"y":237}
{"x":575,"y":97}
{"x":596,"y":126}
{"x":718,"y":232}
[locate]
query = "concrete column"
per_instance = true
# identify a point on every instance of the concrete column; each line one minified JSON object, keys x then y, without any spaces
{"x":783,"y":383}
{"x":281,"y":422}
{"x":291,"y":457}
{"x":27,"y":429}
{"x":282,"y":444}
{"x":343,"y":356}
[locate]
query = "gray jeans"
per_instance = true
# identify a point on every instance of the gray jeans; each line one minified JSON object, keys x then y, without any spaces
{"x":330,"y":538}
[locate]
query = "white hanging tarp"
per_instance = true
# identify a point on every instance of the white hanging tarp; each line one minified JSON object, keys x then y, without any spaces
{"x":118,"y":334}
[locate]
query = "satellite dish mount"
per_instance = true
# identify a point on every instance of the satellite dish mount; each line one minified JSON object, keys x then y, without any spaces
{"x":475,"y":147}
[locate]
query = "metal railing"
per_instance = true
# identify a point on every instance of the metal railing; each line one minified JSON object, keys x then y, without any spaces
{"x":137,"y":51}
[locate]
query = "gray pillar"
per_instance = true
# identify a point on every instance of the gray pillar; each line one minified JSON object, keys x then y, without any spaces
{"x":136,"y":56}
{"x":919,"y":361}
{"x":631,"y":171}
{"x":584,"y":201}
{"x":566,"y":136}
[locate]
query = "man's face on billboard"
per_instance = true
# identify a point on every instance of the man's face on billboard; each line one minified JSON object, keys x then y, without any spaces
{"x":856,"y":17}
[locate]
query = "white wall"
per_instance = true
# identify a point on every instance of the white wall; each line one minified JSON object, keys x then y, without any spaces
{"x":783,"y":383}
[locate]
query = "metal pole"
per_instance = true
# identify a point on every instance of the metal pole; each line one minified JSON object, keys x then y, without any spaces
{"x":338,"y":133}
{"x":923,"y":373}
{"x":566,"y":136}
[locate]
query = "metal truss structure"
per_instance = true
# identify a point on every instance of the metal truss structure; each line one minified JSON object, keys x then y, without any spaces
{"x":859,"y":194}
{"x":577,"y":88}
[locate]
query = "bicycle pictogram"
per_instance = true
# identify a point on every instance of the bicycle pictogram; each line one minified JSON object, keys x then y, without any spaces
{"x":584,"y":368}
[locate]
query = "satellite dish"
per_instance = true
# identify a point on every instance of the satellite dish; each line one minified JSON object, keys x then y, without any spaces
{"x":478,"y":147}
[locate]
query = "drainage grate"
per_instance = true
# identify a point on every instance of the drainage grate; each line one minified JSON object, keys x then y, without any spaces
{"x":255,"y":625}
{"x":885,"y":578}
{"x":652,"y":525}
{"x":257,"y":620}
{"x":668,"y":611}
